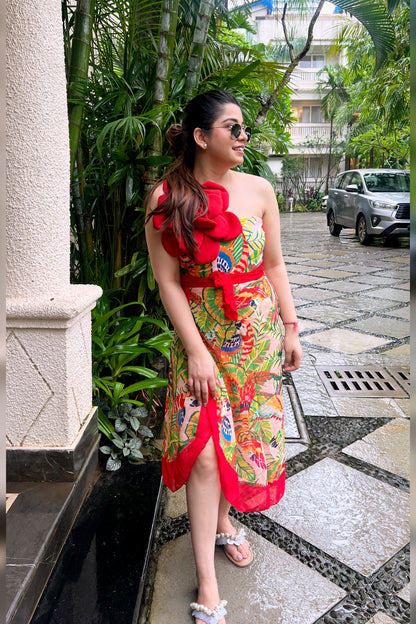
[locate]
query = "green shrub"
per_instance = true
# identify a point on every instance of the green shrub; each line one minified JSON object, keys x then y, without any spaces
{"x":124,"y":349}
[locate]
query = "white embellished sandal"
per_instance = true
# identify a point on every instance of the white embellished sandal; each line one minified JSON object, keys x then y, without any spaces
{"x":210,"y":616}
{"x":221,"y":539}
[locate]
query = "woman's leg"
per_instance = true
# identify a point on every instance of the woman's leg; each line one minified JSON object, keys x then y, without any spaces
{"x":203,"y":496}
{"x":224,"y":526}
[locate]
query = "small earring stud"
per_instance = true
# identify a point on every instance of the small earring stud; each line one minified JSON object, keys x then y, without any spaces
{"x":205,"y":146}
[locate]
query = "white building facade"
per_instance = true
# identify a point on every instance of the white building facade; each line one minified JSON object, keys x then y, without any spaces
{"x":310,"y":133}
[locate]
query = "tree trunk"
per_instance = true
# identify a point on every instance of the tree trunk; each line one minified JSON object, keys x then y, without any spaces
{"x":371,"y":165}
{"x":197,"y":52}
{"x":262,"y":114}
{"x":328,"y":173}
{"x":78,"y":71}
{"x":372,"y":15}
{"x":80,"y":229}
{"x":162,"y":80}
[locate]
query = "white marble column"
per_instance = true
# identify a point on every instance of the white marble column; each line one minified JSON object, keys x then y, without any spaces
{"x":48,"y":320}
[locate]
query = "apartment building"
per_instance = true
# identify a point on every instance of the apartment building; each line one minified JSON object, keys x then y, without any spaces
{"x":310,"y":133}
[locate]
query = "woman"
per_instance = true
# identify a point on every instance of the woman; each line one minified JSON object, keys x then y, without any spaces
{"x":214,"y":241}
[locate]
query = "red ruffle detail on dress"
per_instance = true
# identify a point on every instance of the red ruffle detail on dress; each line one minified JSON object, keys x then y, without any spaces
{"x":242,"y":496}
{"x":209,"y":229}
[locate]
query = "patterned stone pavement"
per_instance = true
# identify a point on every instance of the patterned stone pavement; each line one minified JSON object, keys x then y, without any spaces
{"x":336,"y":548}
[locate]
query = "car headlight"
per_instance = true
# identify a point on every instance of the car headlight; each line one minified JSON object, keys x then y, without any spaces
{"x":376,"y":204}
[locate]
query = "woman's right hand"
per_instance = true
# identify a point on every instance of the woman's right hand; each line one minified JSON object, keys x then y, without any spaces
{"x":202,"y":370}
{"x":202,"y":376}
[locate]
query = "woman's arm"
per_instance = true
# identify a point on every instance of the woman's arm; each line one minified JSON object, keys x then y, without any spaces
{"x":202,"y":371}
{"x":275,"y":270}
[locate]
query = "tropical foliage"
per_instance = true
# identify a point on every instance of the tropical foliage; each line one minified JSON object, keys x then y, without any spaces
{"x":297,"y":184}
{"x":126,"y":372}
{"x":131,"y":66}
{"x":376,"y":112}
{"x":121,"y":148}
{"x":145,"y":59}
{"x":333,"y":92}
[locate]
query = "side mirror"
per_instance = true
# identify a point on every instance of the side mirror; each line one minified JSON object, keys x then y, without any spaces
{"x":352,"y":188}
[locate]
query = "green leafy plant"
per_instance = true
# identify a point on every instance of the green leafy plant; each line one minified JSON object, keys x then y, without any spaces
{"x":124,"y":345}
{"x":127,"y":351}
{"x":127,"y":435}
{"x":376,"y":111}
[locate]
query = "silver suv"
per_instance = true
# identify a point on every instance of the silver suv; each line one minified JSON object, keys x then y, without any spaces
{"x":375,"y":202}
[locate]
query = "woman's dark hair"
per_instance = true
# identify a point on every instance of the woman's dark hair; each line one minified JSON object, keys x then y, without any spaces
{"x":186,"y":197}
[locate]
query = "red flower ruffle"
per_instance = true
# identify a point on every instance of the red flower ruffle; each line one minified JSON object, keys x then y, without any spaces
{"x":211,"y":228}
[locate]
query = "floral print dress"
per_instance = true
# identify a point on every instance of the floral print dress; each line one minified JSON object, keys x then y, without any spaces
{"x":246,"y":419}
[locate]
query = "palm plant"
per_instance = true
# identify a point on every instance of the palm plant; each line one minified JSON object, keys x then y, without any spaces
{"x":196,"y":54}
{"x":83,"y":18}
{"x":333,"y":92}
{"x":118,"y":115}
{"x":162,"y":74}
{"x":376,"y":112}
{"x":131,"y":98}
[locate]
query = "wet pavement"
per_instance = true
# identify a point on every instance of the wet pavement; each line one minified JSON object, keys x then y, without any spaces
{"x":336,"y":548}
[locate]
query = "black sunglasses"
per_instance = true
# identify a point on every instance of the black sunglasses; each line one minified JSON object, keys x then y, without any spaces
{"x":236,"y":129}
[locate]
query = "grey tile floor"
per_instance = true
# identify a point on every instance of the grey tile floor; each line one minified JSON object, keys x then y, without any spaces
{"x":336,"y":548}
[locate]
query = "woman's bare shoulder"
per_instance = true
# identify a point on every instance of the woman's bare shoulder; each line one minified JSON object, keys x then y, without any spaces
{"x":154,"y":194}
{"x":248,"y":180}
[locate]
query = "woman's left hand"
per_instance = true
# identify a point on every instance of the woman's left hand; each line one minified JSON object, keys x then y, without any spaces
{"x":293,"y":350}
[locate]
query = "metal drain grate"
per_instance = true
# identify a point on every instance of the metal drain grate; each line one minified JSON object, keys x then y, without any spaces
{"x":401,"y":375}
{"x":359,"y":381}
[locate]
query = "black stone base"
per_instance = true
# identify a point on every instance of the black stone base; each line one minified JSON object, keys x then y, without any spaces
{"x":38,"y":523}
{"x":52,"y":464}
{"x":101,"y":573}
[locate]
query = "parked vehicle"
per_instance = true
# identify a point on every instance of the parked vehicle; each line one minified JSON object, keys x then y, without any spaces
{"x":374,"y":202}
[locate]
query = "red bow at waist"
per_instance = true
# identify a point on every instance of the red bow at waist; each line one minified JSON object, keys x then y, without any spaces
{"x":226,"y":281}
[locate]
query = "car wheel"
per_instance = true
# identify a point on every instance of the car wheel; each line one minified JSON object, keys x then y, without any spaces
{"x":363,"y":235}
{"x":334,"y":228}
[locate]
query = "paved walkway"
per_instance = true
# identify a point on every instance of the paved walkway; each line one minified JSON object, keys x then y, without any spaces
{"x":335,"y":549}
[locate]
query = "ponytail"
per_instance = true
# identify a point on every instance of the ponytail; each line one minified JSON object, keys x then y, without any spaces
{"x":185,"y":198}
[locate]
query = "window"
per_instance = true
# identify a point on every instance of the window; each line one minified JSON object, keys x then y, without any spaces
{"x":338,"y":181}
{"x":345,"y":180}
{"x":310,"y":114}
{"x":387,"y":182}
{"x":315,"y":167}
{"x":356,"y":179}
{"x":312,"y":61}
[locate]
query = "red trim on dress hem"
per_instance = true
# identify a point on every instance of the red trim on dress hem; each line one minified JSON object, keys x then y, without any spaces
{"x":243,"y":497}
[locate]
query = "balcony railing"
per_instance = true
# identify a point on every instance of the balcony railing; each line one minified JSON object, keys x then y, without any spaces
{"x":309,"y":74}
{"x":302,"y":131}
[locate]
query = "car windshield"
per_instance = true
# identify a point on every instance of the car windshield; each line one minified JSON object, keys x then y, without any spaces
{"x":388,"y":182}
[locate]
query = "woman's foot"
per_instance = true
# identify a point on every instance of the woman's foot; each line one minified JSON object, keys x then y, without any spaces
{"x":237,"y":553}
{"x":208,"y":596}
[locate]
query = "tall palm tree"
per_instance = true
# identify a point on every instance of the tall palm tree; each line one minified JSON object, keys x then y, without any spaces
{"x":333,"y":92}
{"x":197,"y":51}
{"x":379,"y":102}
{"x":78,"y":70}
{"x":161,"y":91}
